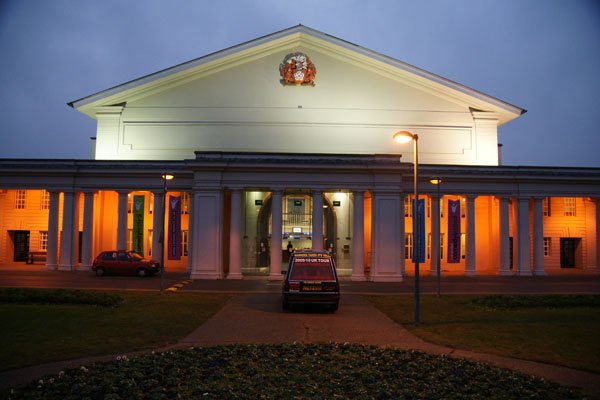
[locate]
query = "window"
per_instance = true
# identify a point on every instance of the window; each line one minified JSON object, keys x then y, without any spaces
{"x":20,"y":199}
{"x":546,"y":209}
{"x":184,"y":243}
{"x":441,"y":246}
{"x":150,"y":236}
{"x":151,"y":204}
{"x":407,"y":207}
{"x":129,"y":239}
{"x":428,"y":246}
{"x":463,"y":245}
{"x":442,"y":207}
{"x":129,"y":203}
{"x":429,"y":207}
{"x":185,"y":203}
{"x":570,"y":207}
{"x":463,"y":207}
{"x":43,"y":240}
{"x":547,"y":247}
{"x":408,"y":244}
{"x":45,"y":200}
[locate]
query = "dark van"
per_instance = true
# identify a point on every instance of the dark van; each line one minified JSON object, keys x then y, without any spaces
{"x":311,"y":279}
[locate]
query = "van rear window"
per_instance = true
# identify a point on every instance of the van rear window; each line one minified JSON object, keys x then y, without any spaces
{"x":312,"y":270}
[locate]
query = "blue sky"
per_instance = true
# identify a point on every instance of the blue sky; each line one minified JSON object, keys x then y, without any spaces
{"x":541,"y":55}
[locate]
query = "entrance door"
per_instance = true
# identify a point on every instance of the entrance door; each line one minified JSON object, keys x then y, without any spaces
{"x":21,"y":242}
{"x":568,"y":249}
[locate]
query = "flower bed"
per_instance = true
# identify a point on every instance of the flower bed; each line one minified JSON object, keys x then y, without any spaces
{"x":302,"y":371}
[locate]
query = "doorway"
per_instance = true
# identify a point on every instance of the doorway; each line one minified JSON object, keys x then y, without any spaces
{"x":569,"y":251}
{"x":21,"y":245}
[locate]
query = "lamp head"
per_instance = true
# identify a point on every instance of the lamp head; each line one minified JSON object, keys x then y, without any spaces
{"x":168,"y":177}
{"x":435,"y":181}
{"x":404,"y":137}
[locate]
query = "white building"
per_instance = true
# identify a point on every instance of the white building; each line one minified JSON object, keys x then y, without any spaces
{"x":288,"y":138}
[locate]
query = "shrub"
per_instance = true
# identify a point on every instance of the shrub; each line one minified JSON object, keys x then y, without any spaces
{"x":59,"y":296}
{"x":533,"y":301}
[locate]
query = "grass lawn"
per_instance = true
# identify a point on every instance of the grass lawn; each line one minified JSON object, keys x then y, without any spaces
{"x":565,"y":335}
{"x":32,"y":333}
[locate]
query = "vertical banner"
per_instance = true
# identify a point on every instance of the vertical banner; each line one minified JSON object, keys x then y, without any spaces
{"x":421,"y":250}
{"x":174,"y":244}
{"x":138,"y":225}
{"x":453,"y":231}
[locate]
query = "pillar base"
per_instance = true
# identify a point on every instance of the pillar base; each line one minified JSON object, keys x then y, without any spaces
{"x":524,"y":273}
{"x":50,"y":267}
{"x":276,"y":277}
{"x":358,"y":278}
{"x":540,"y":273}
{"x":65,"y":268}
{"x":470,"y":273}
{"x":235,"y":275}
{"x":387,"y":278}
{"x":205,"y":275}
{"x":84,"y":268}
{"x":505,"y":273}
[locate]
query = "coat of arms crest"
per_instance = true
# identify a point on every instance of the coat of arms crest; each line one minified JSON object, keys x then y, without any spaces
{"x":297,"y":69}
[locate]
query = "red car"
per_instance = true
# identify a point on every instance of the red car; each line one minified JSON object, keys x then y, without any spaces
{"x":121,"y":262}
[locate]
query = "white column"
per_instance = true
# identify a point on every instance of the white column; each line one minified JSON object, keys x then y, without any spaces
{"x":470,"y":261}
{"x":190,"y":260}
{"x":504,"y":238}
{"x":276,"y":240}
{"x":208,"y":234}
{"x":235,"y":236}
{"x":122,"y":221}
{"x":317,"y":220}
{"x":523,"y":253}
{"x":387,"y":216}
{"x":158,"y":225}
{"x":435,"y":234}
{"x":358,"y":236}
{"x":88,"y":225}
{"x":66,"y":242}
{"x":52,"y":252}
{"x":538,"y":237}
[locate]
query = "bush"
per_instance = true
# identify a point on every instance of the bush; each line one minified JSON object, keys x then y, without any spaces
{"x":533,"y":301}
{"x":59,"y":296}
{"x":285,"y":371}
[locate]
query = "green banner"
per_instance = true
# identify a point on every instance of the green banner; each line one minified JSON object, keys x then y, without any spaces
{"x":138,"y":225}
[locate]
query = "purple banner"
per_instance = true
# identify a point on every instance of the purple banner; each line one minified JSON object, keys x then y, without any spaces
{"x":419,"y":245}
{"x":453,"y":231}
{"x":174,"y":244}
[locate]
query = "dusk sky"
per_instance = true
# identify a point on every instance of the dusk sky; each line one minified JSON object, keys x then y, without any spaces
{"x":540,"y":55}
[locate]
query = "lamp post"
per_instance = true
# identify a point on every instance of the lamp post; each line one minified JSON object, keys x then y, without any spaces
{"x":438,"y":182}
{"x":165,"y":177}
{"x":405,"y":137}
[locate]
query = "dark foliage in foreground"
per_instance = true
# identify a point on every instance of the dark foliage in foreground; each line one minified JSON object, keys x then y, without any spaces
{"x":535,"y":301}
{"x":299,"y":371}
{"x":58,"y":296}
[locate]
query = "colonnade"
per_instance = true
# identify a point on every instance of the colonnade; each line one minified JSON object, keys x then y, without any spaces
{"x":387,"y":233}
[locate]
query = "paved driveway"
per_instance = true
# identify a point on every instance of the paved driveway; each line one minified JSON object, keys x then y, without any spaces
{"x":259,"y":318}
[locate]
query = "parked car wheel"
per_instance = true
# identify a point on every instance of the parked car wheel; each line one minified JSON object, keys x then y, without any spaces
{"x":142,"y":272}
{"x":99,"y":271}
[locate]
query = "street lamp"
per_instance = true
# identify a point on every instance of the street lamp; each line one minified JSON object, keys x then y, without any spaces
{"x":405,"y":137}
{"x":437,"y":181}
{"x":165,"y":177}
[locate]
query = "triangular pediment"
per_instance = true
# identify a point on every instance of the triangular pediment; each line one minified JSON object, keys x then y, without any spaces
{"x":348,"y":77}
